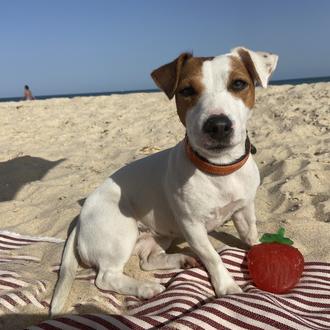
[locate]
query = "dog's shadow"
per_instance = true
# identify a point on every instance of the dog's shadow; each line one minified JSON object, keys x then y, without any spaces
{"x":76,"y":218}
{"x":229,"y":240}
{"x":224,"y":238}
{"x":17,"y":172}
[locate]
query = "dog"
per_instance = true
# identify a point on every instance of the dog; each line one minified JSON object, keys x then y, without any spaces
{"x":185,"y":191}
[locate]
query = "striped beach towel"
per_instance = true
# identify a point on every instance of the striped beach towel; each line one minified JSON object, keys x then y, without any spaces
{"x":189,"y":303}
{"x":17,"y":290}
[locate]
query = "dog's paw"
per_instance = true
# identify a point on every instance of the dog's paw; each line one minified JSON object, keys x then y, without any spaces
{"x":251,"y":238}
{"x":189,"y":262}
{"x":150,"y":289}
{"x":228,"y":288}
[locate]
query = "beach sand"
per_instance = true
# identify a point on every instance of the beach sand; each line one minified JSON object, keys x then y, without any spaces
{"x":55,"y":152}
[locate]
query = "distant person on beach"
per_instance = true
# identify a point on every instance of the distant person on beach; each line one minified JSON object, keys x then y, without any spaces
{"x":27,"y":93}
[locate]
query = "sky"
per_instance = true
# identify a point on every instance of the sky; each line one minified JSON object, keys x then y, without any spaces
{"x":82,"y":46}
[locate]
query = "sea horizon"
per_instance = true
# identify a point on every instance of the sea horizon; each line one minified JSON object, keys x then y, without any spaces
{"x":309,"y":80}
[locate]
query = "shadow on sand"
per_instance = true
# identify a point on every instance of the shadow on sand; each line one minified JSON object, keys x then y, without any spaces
{"x":222,"y":237}
{"x":22,"y":321}
{"x":17,"y":172}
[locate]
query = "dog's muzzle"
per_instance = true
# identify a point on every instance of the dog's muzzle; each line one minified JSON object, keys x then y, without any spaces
{"x":218,"y":128}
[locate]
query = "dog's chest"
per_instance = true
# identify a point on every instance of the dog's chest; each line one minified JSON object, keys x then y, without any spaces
{"x":217,"y":215}
{"x":215,"y":200}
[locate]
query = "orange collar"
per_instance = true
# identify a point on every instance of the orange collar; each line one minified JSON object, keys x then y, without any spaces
{"x":207,"y":167}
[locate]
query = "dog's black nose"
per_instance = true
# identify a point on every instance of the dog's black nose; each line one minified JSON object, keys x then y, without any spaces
{"x":218,"y":127}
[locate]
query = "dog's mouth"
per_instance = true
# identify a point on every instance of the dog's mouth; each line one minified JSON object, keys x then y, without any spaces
{"x":217,"y":146}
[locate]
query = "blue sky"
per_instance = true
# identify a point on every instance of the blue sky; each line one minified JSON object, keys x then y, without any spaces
{"x":81,"y":46}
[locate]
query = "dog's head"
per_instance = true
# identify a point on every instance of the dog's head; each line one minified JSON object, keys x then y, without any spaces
{"x":214,"y":95}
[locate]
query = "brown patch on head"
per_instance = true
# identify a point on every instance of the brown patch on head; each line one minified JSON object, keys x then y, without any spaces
{"x":240,"y":72}
{"x":184,"y":73}
{"x":167,"y":76}
{"x":190,"y":78}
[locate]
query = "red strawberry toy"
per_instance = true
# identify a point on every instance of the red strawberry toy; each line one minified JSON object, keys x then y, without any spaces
{"x":275,"y":265}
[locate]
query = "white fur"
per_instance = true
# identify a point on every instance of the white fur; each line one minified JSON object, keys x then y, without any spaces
{"x":144,"y":205}
{"x":217,"y":100}
{"x":264,"y":63}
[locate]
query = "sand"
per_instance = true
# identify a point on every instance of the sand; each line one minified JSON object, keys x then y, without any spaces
{"x":55,"y":152}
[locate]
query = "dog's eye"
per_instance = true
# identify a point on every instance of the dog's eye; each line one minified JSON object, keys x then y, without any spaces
{"x":188,"y":91}
{"x":238,"y":85}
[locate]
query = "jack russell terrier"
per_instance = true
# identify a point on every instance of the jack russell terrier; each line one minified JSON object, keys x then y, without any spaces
{"x":185,"y":191}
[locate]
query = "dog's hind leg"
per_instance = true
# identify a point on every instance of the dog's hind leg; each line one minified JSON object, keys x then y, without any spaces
{"x":123,"y":284}
{"x":151,"y":251}
{"x":113,"y":253}
{"x":111,"y":277}
{"x":107,"y":237}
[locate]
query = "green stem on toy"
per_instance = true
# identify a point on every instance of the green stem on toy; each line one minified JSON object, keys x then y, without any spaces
{"x":276,"y":238}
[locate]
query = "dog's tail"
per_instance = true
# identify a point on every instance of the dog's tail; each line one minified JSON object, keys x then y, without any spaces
{"x":67,"y":273}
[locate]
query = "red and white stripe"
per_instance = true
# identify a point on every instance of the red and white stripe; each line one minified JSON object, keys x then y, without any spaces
{"x":16,"y":292}
{"x":15,"y":295}
{"x":17,"y":259}
{"x":189,"y":303}
{"x":12,"y":241}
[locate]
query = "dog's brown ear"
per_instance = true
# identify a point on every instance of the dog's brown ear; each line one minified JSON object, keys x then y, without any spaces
{"x":259,"y":64}
{"x":167,"y":76}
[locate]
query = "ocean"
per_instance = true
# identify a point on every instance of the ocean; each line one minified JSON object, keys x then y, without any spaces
{"x":274,"y":82}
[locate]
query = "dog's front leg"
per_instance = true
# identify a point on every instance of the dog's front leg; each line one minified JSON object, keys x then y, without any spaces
{"x":245,"y":223}
{"x":222,"y":281}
